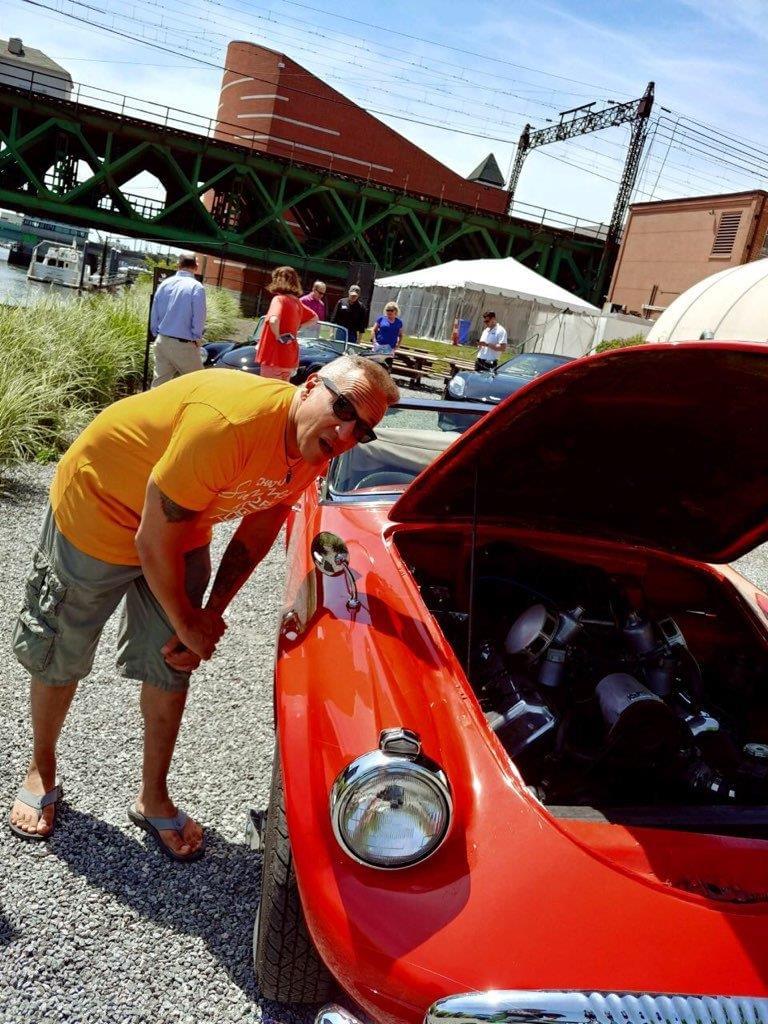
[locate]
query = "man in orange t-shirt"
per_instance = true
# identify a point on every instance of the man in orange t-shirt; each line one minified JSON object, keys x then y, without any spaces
{"x":132,"y":508}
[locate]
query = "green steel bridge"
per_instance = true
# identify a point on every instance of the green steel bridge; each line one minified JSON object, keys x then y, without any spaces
{"x":75,"y":160}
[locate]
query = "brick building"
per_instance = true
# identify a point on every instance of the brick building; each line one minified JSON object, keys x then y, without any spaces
{"x":271,"y":103}
{"x":670,"y":245}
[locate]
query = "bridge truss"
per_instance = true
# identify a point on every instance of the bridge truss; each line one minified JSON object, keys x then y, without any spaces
{"x":75,"y":163}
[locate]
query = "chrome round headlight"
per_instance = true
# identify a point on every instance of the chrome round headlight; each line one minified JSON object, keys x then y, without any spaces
{"x":390,"y":811}
{"x":456,"y":386}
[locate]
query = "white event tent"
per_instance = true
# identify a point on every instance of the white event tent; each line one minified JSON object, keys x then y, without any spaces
{"x":538,"y":314}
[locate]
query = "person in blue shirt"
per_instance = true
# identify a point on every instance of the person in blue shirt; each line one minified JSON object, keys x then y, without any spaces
{"x":387,"y":333}
{"x":178,"y":322}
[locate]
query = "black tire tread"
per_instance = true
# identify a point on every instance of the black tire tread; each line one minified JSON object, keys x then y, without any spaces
{"x":287,"y":965}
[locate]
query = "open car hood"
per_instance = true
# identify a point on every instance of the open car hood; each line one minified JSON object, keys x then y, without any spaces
{"x":664,"y":446}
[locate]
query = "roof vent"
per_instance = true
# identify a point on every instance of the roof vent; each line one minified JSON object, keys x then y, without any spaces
{"x":15,"y":46}
{"x":726,"y":233}
{"x":487,"y":172}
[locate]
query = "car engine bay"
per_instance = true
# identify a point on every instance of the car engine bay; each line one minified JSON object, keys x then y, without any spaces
{"x":610,"y":681}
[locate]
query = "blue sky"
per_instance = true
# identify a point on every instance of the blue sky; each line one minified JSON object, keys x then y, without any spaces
{"x":483,"y":69}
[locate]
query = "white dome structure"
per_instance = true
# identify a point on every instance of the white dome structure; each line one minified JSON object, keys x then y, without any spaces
{"x":729,"y":306}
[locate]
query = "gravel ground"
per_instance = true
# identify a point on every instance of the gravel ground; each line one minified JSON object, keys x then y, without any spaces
{"x":95,"y":925}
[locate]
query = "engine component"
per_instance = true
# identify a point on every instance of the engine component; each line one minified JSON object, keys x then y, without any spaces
{"x":638,"y":633}
{"x":532,"y":632}
{"x":520,"y":719}
{"x":525,"y":730}
{"x":606,"y":704}
{"x":658,"y":649}
{"x":541,"y":634}
{"x":636,"y":719}
{"x":552,"y":667}
{"x":705,"y":781}
{"x":700,"y":722}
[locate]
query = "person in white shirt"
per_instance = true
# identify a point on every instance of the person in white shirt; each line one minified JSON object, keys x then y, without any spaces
{"x":493,"y":341}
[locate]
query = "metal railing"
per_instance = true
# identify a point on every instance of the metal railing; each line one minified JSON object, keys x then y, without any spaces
{"x":54,"y":86}
{"x":557,"y":219}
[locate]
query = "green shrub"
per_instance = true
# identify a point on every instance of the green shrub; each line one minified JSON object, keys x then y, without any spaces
{"x":60,"y":362}
{"x":223,"y":309}
{"x":634,"y":339}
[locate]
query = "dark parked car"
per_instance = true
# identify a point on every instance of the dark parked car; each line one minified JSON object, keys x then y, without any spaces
{"x":319,"y":343}
{"x":494,"y":386}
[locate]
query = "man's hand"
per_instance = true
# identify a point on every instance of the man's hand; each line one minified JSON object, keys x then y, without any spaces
{"x":178,"y":656}
{"x":200,"y":631}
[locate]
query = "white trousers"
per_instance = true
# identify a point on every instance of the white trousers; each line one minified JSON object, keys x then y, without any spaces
{"x":173,"y":358}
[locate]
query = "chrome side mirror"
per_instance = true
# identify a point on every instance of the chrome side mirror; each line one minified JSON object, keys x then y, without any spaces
{"x":331,"y":556}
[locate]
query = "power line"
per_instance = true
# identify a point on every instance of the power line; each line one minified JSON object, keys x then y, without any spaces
{"x":420,"y":68}
{"x":389,"y":30}
{"x":682,"y":145}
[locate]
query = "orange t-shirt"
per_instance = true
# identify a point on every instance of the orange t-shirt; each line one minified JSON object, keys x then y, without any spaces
{"x":291,"y":314}
{"x":212,"y":441}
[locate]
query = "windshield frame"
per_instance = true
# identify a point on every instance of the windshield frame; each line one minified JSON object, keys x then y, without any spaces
{"x":328,"y":496}
{"x":502,"y":371}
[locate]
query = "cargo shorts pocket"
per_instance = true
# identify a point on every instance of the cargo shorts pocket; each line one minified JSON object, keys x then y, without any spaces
{"x":45,"y":591}
{"x":37,"y":625}
{"x":33,"y":641}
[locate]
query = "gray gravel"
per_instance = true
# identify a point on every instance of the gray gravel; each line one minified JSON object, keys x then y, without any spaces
{"x":97,"y":926}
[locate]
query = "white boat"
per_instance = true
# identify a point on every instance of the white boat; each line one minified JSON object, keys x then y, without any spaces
{"x":61,"y":264}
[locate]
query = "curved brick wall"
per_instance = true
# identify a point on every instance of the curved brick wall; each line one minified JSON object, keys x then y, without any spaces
{"x":272,"y":103}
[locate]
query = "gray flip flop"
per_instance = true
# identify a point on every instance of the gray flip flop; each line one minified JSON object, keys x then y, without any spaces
{"x":37,"y":803}
{"x":155,"y":825}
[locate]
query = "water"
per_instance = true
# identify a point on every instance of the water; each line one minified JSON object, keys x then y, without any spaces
{"x":16,"y":290}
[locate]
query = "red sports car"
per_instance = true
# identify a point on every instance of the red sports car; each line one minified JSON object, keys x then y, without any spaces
{"x":521,"y":768}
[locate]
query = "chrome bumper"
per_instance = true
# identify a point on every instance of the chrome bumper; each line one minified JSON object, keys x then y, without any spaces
{"x":335,"y":1014}
{"x":536,"y":1007}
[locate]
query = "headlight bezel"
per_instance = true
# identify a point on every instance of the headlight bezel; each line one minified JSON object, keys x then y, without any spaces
{"x":365,"y":768}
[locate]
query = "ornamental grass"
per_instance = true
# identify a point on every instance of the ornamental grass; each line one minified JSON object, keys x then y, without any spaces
{"x":61,"y":362}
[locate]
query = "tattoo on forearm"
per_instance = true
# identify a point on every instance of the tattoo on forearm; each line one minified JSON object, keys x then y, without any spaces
{"x":236,"y":566}
{"x":175,"y":513}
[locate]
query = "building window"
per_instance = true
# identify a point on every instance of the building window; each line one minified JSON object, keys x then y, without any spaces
{"x":725,"y":237}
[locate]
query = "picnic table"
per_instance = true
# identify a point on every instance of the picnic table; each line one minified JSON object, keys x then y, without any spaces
{"x":415,"y":363}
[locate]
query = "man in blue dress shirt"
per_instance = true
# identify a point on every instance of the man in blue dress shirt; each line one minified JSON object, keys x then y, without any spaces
{"x":178,"y":322}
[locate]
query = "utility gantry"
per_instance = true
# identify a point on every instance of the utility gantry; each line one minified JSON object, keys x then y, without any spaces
{"x":583,"y":121}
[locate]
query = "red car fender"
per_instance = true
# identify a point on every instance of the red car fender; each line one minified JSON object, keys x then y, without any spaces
{"x":513,"y":898}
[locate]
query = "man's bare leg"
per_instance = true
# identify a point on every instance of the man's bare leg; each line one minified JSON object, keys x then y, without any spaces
{"x":49,"y":706}
{"x":162,"y":713}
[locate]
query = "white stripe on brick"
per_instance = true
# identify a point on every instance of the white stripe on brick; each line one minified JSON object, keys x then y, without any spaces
{"x":290,"y":120}
{"x":236,"y":81}
{"x":314,"y":149}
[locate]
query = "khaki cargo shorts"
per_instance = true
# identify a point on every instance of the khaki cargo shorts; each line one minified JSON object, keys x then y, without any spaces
{"x":69,"y":597}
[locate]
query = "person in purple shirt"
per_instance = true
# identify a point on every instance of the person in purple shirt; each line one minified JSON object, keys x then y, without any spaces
{"x":315,"y":300}
{"x":387,"y":333}
{"x":178,"y":322}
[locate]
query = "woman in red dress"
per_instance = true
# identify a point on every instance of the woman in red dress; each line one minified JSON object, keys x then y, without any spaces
{"x":278,"y":351}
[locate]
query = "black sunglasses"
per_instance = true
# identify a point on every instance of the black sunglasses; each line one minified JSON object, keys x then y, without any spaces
{"x":344,"y":410}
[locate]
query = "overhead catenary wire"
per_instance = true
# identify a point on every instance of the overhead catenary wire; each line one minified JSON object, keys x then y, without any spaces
{"x":683,"y":144}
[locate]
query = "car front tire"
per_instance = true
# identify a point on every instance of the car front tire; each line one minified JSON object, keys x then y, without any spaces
{"x":287,"y":965}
